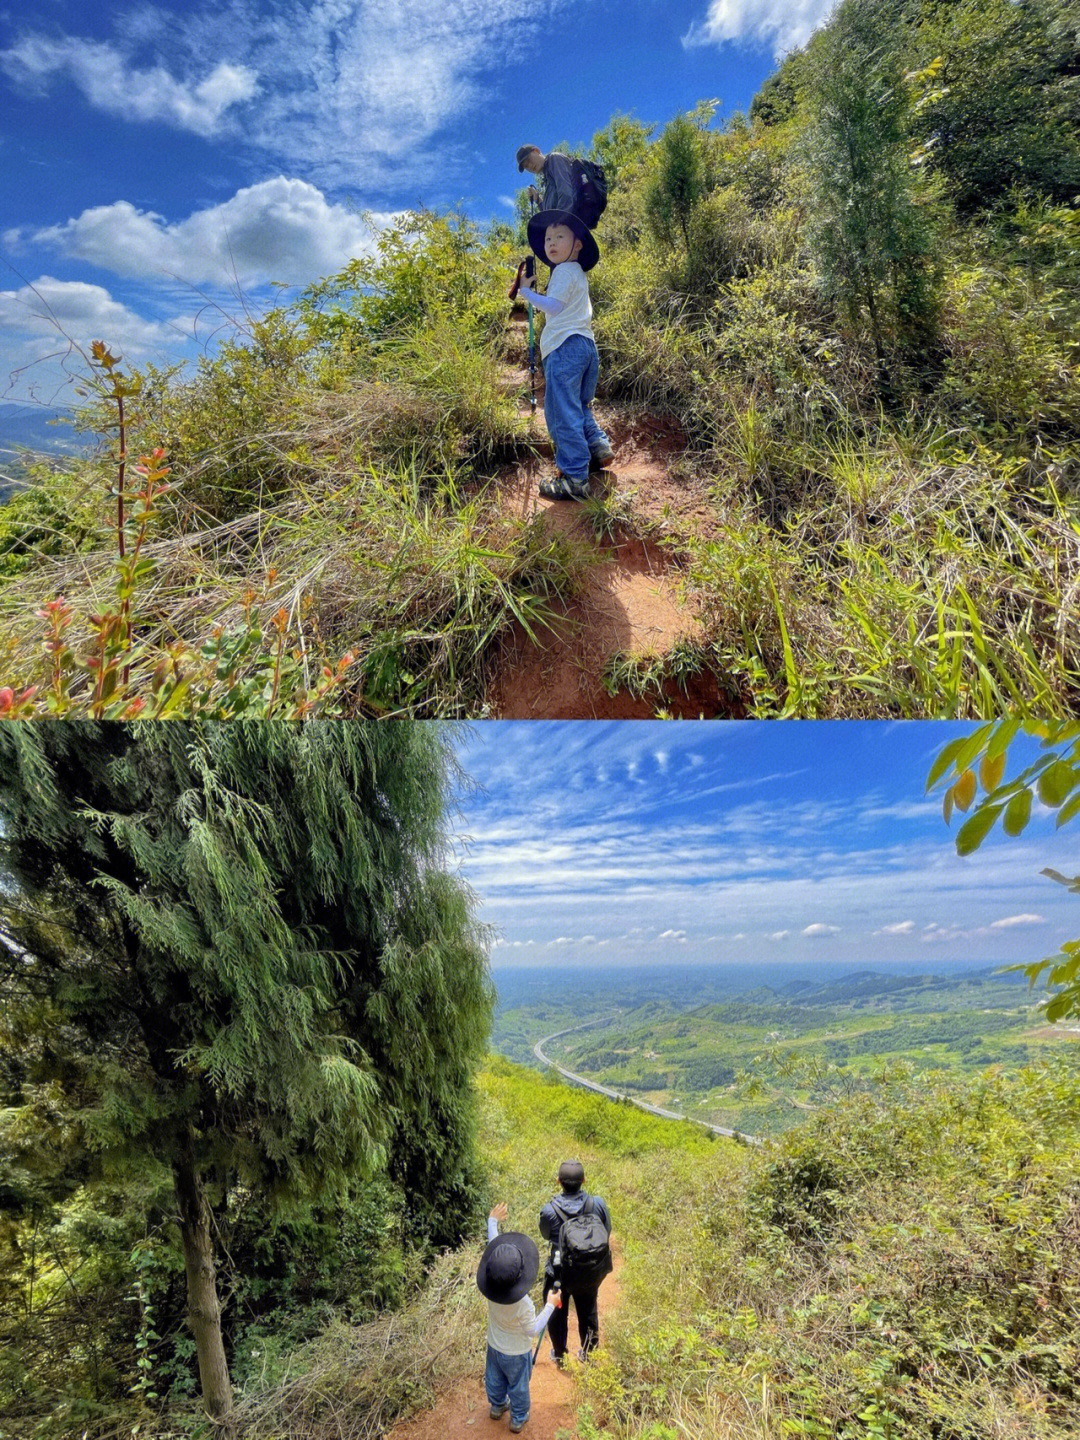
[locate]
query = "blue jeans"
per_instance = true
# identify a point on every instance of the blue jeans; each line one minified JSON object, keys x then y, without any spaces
{"x":570,"y":373}
{"x":506,"y":1377}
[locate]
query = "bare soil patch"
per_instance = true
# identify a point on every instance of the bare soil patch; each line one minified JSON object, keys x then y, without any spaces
{"x":634,"y":602}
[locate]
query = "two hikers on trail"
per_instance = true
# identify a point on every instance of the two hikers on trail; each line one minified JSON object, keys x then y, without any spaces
{"x":561,"y":237}
{"x":578,"y":1228}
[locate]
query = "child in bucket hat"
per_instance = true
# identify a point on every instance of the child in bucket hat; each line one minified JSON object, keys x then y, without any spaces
{"x":568,"y":351}
{"x":506,"y":1272}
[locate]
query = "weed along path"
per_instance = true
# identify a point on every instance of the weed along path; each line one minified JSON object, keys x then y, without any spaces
{"x":463,"y":1411}
{"x":632,"y":612}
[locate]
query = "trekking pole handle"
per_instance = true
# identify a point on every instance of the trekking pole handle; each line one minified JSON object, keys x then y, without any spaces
{"x":521,"y":271}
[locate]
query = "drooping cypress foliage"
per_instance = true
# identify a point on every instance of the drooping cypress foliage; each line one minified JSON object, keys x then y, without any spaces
{"x":241,"y":956}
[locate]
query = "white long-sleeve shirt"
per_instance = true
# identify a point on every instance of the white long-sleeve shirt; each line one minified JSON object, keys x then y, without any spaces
{"x":513,"y":1328}
{"x":566,"y":304}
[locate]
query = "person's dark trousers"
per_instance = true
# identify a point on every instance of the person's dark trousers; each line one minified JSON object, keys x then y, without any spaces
{"x":588,"y":1318}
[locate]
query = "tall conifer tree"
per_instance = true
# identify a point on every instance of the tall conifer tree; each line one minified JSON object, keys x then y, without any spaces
{"x":250,"y":963}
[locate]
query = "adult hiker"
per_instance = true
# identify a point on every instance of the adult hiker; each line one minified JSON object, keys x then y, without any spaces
{"x":568,"y":182}
{"x":506,"y":1272}
{"x":578,"y":1227}
{"x":557,"y":171}
{"x":568,"y":352}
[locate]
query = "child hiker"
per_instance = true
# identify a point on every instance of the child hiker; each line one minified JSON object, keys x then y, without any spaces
{"x":568,"y":352}
{"x":506,"y":1272}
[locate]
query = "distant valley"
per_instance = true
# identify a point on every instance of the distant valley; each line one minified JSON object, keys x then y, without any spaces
{"x":729,"y":1047}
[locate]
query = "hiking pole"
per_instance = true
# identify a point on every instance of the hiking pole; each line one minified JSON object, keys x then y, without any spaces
{"x":556,"y":1288}
{"x":530,"y":271}
{"x":527,"y":270}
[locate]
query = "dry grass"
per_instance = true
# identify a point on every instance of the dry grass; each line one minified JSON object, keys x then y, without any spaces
{"x":354,"y":1381}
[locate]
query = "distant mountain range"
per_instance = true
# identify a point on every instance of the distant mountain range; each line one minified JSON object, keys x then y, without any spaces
{"x":31,"y":427}
{"x":826,"y":983}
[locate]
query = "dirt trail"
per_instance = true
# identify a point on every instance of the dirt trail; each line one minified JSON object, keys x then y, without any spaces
{"x":463,"y":1411}
{"x":633,"y":602}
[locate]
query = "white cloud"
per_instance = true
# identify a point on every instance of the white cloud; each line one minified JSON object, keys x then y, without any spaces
{"x":348,"y":91}
{"x":56,"y":309}
{"x":783,"y":24}
{"x":281,"y":229}
{"x":112,"y":84}
{"x":904,"y":927}
{"x":819,"y":929}
{"x":43,"y":326}
{"x":778,"y":935}
{"x":678,"y":936}
{"x":1010,"y":920}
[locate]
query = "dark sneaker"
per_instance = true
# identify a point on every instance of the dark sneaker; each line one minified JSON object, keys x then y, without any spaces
{"x":601,"y":459}
{"x":516,"y":1426}
{"x":497,"y":1412}
{"x":560,"y":1360}
{"x":564,"y":487}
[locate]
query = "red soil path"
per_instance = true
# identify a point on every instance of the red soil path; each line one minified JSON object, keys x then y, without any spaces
{"x":633,"y":602}
{"x":463,"y":1411}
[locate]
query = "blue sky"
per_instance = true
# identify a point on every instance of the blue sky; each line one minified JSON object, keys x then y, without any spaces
{"x":643,"y":842}
{"x":157,"y":157}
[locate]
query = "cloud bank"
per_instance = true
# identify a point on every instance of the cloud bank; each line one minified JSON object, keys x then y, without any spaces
{"x":341,"y":90}
{"x":282,"y":229}
{"x":110,"y":82}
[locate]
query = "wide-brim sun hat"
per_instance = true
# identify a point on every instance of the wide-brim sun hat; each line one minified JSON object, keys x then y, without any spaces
{"x":590,"y":251}
{"x":508,"y":1268}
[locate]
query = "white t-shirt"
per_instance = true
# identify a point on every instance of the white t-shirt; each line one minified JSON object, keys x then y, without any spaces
{"x":570,"y":284}
{"x":513,"y":1328}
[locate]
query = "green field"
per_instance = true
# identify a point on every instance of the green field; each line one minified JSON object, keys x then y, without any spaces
{"x":761,"y":1062}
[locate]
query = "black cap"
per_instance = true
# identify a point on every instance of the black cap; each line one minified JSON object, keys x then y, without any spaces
{"x":507,"y":1268}
{"x":524,"y":150}
{"x":572,"y":1174}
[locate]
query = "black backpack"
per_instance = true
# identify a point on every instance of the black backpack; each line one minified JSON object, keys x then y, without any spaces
{"x":583,"y":1246}
{"x":590,"y":190}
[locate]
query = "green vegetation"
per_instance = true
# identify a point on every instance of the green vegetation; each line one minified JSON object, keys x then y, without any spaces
{"x":761,"y":1063}
{"x":860,"y":303}
{"x":901,"y":1266}
{"x":904,"y":1266}
{"x":242,"y":1002}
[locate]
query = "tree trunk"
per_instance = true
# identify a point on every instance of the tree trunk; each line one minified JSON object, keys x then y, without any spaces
{"x":203,"y":1308}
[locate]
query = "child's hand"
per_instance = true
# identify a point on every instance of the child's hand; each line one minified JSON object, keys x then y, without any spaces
{"x":556,"y":1298}
{"x":499,"y":1212}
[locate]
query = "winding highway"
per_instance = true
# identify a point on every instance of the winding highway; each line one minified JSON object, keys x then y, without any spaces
{"x":606,"y":1090}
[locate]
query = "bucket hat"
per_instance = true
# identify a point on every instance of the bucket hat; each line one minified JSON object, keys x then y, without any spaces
{"x":590,"y":251}
{"x":507,"y":1268}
